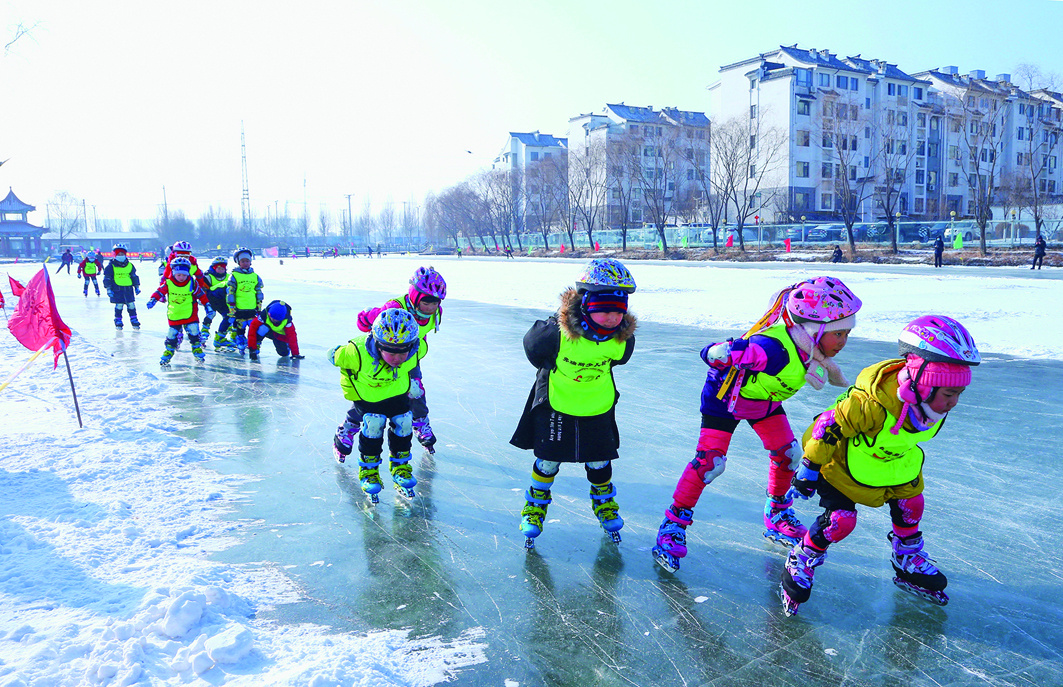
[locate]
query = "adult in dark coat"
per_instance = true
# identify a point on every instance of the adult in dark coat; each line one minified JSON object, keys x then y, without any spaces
{"x":939,"y":250}
{"x":1040,"y":247}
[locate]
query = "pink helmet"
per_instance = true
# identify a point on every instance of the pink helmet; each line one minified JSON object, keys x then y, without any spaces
{"x":938,"y":352}
{"x":823,"y":300}
{"x":427,"y":282}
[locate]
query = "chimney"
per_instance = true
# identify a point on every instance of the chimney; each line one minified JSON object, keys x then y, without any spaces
{"x":825,"y":54}
{"x":950,"y":70}
{"x":1006,"y":78}
{"x":976,"y":74}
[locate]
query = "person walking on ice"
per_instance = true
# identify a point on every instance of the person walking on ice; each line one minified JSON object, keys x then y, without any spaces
{"x":375,"y":377}
{"x":794,"y":343}
{"x":865,"y":448}
{"x":570,"y":413}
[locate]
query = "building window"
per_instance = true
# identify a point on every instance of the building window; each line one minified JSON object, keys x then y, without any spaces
{"x":954,"y":179}
{"x":828,"y":171}
{"x":932,"y":149}
{"x":867,"y":132}
{"x":917,"y":92}
{"x":827,"y":142}
{"x":802,"y":170}
{"x":920,"y":119}
{"x":842,"y":82}
{"x":753,"y":171}
{"x":1021,"y":133}
{"x":803,"y":77}
{"x":854,"y":112}
{"x":824,"y":80}
{"x":854,"y":83}
{"x":633,"y":128}
{"x":891,"y":89}
{"x":827,"y":201}
{"x":804,"y":107}
{"x":867,"y":162}
{"x":1052,"y":186}
{"x":803,"y":139}
{"x":920,"y":148}
{"x":902,"y":91}
{"x":935,"y":123}
{"x":920,"y":176}
{"x":752,"y":111}
{"x":534,"y":157}
{"x":752,"y":84}
{"x":802,"y":200}
{"x":752,"y":141}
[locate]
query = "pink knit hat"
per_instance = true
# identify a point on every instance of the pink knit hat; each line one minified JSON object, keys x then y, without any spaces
{"x":928,"y":376}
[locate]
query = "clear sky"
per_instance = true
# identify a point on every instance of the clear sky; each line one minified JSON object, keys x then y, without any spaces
{"x":112,"y":101}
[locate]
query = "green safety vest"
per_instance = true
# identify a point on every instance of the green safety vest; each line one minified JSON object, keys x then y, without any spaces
{"x":245,"y":290}
{"x":179,"y":301}
{"x":778,"y":387}
{"x":122,"y":273}
{"x":888,"y":460}
{"x":90,"y":268}
{"x":362,"y":380}
{"x":581,"y":382}
{"x":216,"y":283}
{"x":278,"y":329}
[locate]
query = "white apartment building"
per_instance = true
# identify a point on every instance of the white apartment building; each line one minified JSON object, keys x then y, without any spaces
{"x":884,"y":129}
{"x":521,"y":159}
{"x":637,"y":165}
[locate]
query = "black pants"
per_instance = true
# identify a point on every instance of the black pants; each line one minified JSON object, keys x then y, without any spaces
{"x":1038,"y":260}
{"x":937,"y":259}
{"x":61,"y":266}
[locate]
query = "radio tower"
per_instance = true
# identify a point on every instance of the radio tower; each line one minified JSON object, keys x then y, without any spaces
{"x":245,"y":199}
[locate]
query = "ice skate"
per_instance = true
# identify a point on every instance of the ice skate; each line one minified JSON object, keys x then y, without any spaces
{"x":606,"y":510}
{"x":118,"y":323}
{"x":369,"y":477}
{"x":915,"y":571}
{"x":781,"y":524}
{"x":425,"y":436}
{"x":240,"y":343}
{"x":797,"y":576}
{"x":402,"y":474}
{"x":135,"y":322}
{"x":343,"y":442}
{"x":533,"y":514}
{"x":167,"y":356}
{"x":672,"y":538}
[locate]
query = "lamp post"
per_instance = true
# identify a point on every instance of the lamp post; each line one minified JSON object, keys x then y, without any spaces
{"x":952,"y":224}
{"x":1013,"y":228}
{"x":897,"y":226}
{"x":803,"y":237}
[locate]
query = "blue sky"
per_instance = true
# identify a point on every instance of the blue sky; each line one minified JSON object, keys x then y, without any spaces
{"x":111,"y":101}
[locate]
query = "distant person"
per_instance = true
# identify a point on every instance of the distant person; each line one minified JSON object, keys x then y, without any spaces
{"x":89,"y":268}
{"x":379,"y":250}
{"x":508,"y":250}
{"x":459,"y":251}
{"x":308,"y":251}
{"x":66,"y":261}
{"x":369,"y":251}
{"x":836,"y":256}
{"x":122,"y":285}
{"x":1039,"y":250}
{"x":865,"y":449}
{"x":939,"y":251}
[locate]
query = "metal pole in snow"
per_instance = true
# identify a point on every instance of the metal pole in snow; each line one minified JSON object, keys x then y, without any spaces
{"x":72,"y":390}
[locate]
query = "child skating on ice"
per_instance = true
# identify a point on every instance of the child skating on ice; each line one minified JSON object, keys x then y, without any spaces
{"x":274,"y":323}
{"x":217,"y":279}
{"x":244,"y":297}
{"x":866,"y":449}
{"x":182,"y":312}
{"x":91,"y":266}
{"x":570,"y":413}
{"x":794,"y":343}
{"x":375,"y":377}
{"x":122,"y":284}
{"x":424,"y":301}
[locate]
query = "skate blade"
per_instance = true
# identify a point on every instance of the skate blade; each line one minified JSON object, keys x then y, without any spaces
{"x":614,"y":536}
{"x":781,"y":539}
{"x":937,"y":598}
{"x":789,"y":606}
{"x":665,"y":559}
{"x":372,"y":498}
{"x":405,"y":492}
{"x":529,"y":544}
{"x":340,"y":458}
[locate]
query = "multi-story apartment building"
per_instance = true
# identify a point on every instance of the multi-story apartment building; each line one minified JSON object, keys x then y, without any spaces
{"x":524,"y":161}
{"x":868,"y":139}
{"x":631,"y":165}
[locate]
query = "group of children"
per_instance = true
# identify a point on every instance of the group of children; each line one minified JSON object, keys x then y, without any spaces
{"x":864,"y":449}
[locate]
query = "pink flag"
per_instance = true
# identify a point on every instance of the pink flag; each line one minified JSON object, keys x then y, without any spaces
{"x":16,"y":287}
{"x":36,"y":322}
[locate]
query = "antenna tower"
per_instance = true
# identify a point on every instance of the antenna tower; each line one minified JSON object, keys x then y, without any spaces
{"x":245,"y":199}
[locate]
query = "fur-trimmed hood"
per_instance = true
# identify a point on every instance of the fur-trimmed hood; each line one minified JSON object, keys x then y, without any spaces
{"x":569,"y":318}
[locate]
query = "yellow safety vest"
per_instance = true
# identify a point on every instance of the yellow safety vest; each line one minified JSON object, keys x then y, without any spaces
{"x":90,"y":268}
{"x":886,"y":459}
{"x":363,"y":380}
{"x":778,"y":387}
{"x":246,"y":299}
{"x":581,"y":382}
{"x":122,"y":273}
{"x":179,"y":301}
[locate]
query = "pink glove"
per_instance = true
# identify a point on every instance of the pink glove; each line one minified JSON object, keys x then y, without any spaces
{"x":366,"y":317}
{"x":826,"y":429}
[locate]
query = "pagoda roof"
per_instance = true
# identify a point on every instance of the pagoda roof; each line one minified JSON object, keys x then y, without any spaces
{"x":13,"y":204}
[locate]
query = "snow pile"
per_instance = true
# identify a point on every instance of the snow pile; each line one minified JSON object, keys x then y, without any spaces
{"x":1003,"y":307}
{"x":103,"y":531}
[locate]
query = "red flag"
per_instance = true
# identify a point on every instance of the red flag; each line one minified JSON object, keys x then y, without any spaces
{"x":36,"y":322}
{"x":1,"y":299}
{"x":730,"y":241}
{"x":16,"y":287}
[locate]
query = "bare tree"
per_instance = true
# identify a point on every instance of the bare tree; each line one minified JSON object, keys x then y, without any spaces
{"x":65,"y":216}
{"x":744,"y":154}
{"x":324,"y":221}
{"x":891,"y":144}
{"x":588,"y":184}
{"x":386,"y":221}
{"x":20,"y":30}
{"x":843,"y":124}
{"x":625,"y":206}
{"x":1039,"y":141}
{"x":367,"y":222}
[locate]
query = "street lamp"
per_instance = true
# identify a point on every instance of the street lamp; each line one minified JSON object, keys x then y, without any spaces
{"x":803,"y":237}
{"x":1013,"y":228}
{"x":897,"y":226}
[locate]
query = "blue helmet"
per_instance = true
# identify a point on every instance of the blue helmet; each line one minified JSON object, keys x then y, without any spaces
{"x":277,"y":311}
{"x":182,"y":265}
{"x":606,"y":274}
{"x":395,"y":331}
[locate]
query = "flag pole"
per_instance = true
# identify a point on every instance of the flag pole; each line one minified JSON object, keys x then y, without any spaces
{"x":75,"y":393}
{"x":19,"y":371}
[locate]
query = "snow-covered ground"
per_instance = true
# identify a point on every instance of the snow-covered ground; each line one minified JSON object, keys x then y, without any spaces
{"x":106,"y":531}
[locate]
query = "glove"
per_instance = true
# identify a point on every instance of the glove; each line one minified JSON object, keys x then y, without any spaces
{"x":366,"y":317}
{"x":110,"y":294}
{"x":826,"y":429}
{"x":298,"y":357}
{"x":136,"y":290}
{"x":210,"y":312}
{"x":151,"y":304}
{"x":416,"y":388}
{"x":803,"y":485}
{"x":718,"y":355}
{"x":253,"y":355}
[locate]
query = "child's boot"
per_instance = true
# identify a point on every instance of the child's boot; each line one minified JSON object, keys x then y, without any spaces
{"x":167,"y":355}
{"x":133,"y":320}
{"x":343,"y":442}
{"x":780,"y":521}
{"x":533,"y":514}
{"x":369,"y":477}
{"x":402,"y":474}
{"x":916,"y":572}
{"x":117,"y":321}
{"x":801,"y":564}
{"x":606,"y":509}
{"x":672,"y":537}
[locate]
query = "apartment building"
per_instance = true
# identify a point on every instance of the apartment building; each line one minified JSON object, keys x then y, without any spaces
{"x":524,"y":161}
{"x":630,"y":165}
{"x":869,"y":139}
